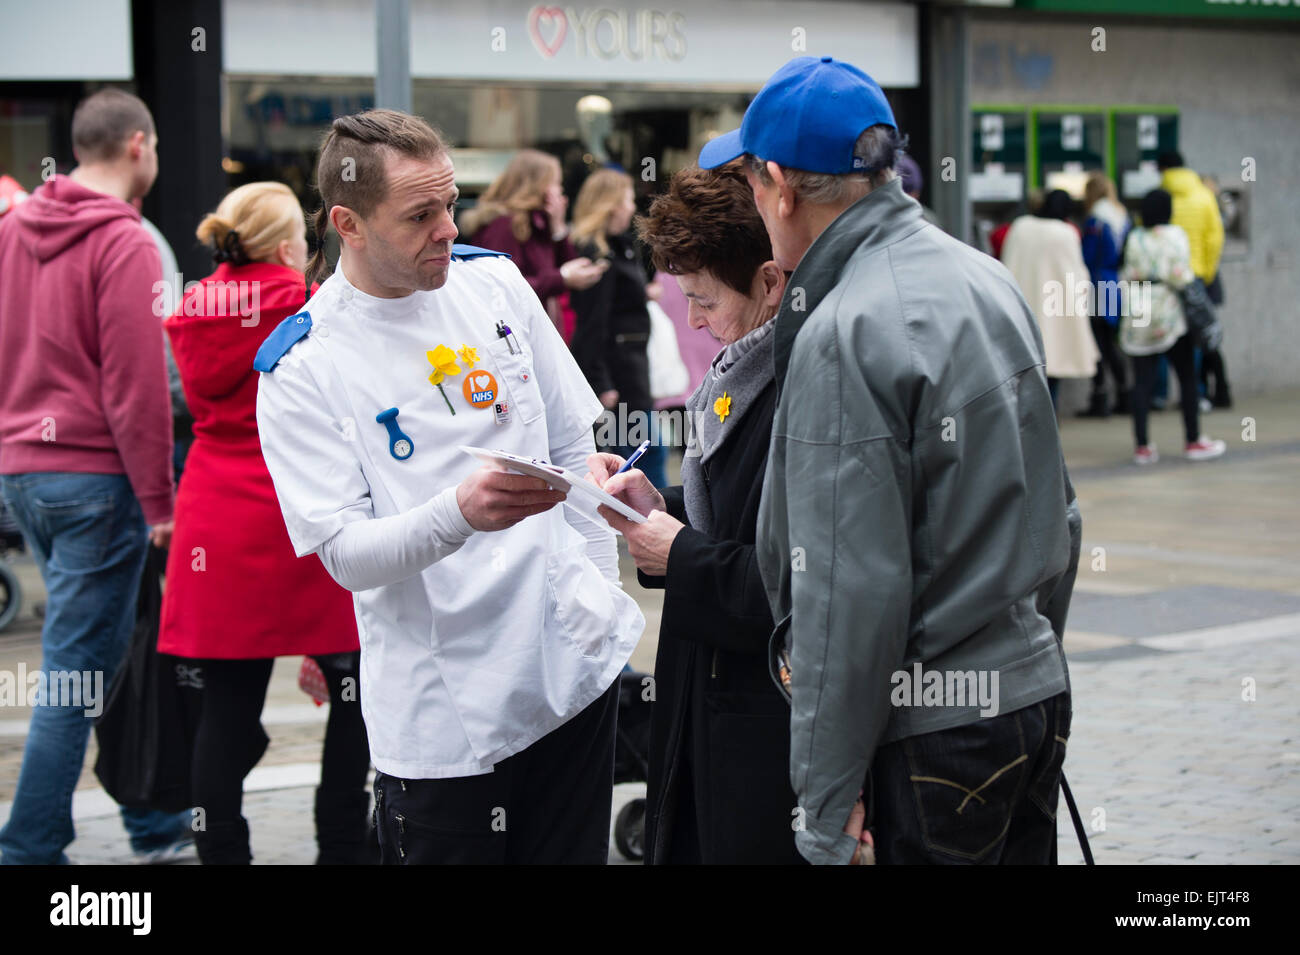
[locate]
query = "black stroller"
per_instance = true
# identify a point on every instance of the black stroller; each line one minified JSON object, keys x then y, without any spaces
{"x":11,"y":592}
{"x":632,"y":759}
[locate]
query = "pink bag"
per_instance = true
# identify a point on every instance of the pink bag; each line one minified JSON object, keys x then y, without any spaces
{"x":312,"y":681}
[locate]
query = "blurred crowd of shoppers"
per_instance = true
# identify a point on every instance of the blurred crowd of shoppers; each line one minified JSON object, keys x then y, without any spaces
{"x":87,"y":473}
{"x":1113,"y":290}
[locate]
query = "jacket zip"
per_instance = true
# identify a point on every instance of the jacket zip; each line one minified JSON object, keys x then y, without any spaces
{"x":401,"y":831}
{"x":715,"y":664}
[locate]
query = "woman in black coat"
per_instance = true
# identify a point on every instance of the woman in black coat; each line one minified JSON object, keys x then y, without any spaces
{"x":718,"y":789}
{"x":613,"y":326}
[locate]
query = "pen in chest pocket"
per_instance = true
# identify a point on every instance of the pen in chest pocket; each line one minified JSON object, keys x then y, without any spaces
{"x":503,"y":331}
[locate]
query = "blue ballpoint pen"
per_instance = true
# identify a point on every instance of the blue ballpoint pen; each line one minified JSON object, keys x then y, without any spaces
{"x":645,"y":446}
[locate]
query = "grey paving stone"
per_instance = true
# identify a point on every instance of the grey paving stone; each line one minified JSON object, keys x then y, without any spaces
{"x":1175,"y":610}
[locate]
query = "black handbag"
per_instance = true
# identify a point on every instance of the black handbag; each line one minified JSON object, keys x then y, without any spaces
{"x":1215,"y":289}
{"x":145,"y":734}
{"x":1202,"y":320}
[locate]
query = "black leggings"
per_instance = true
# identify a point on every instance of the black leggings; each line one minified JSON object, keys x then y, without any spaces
{"x":229,"y":741}
{"x":1182,"y":356}
{"x":1111,"y":358}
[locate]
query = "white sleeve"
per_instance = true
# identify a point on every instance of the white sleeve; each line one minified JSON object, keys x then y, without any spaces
{"x":308,"y":448}
{"x":385,"y":550}
{"x":600,"y":536}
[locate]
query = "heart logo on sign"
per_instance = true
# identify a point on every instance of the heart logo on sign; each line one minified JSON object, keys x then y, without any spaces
{"x":481,"y":381}
{"x":540,"y":15}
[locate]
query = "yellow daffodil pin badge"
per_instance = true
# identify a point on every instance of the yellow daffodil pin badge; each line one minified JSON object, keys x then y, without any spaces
{"x":722,"y":406}
{"x":443,"y":360}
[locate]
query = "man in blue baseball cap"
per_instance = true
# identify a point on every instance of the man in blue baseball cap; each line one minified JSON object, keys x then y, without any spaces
{"x":918,"y":537}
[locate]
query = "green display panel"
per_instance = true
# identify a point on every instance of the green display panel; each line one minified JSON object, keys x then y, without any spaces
{"x":1058,"y":145}
{"x":1138,"y":136}
{"x":999,"y":154}
{"x":999,"y":136}
{"x":1143,"y":136}
{"x":1069,"y":143}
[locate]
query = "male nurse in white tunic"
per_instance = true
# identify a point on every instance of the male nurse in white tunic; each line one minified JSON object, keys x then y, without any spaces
{"x":493,"y":627}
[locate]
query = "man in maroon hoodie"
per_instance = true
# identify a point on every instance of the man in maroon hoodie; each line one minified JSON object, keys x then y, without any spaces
{"x":85,"y":449}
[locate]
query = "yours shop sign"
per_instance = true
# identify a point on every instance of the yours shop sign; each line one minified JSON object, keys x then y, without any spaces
{"x":607,"y":34}
{"x":736,"y":44}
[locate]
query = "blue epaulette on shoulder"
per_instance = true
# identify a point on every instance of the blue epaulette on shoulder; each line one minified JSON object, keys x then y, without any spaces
{"x":473,"y":252}
{"x":287,"y":334}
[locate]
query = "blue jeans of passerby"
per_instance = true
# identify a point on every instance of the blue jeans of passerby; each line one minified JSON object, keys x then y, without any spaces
{"x":982,"y":793}
{"x":87,"y":535}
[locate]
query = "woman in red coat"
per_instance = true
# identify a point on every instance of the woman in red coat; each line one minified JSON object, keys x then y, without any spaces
{"x":236,"y":596}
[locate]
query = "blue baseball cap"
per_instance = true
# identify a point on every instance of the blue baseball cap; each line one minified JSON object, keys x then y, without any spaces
{"x":808,"y":116}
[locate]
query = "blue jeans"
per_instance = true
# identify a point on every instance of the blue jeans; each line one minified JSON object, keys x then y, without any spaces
{"x":87,"y":535}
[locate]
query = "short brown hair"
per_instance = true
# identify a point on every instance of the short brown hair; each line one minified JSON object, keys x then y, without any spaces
{"x":350,"y":171}
{"x":104,"y":121}
{"x":707,"y":222}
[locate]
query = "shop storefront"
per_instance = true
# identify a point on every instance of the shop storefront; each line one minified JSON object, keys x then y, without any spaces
{"x":633,"y":84}
{"x":38,"y":91}
{"x":242,"y":89}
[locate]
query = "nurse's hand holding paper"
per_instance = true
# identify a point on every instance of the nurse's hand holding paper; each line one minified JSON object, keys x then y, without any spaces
{"x":492,"y":500}
{"x":647,"y":543}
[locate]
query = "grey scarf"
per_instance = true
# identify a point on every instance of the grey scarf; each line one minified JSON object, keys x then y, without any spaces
{"x":741,"y":370}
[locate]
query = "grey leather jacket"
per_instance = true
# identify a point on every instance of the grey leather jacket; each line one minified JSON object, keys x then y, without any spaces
{"x":916,"y":507}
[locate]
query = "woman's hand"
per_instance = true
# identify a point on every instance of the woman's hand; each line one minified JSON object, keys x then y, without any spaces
{"x":631,"y":487}
{"x":582,"y":273}
{"x":648,"y":543}
{"x":609,"y":399}
{"x":555,"y":203}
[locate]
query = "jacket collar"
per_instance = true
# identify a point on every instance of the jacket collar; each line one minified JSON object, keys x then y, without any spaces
{"x":878,"y":219}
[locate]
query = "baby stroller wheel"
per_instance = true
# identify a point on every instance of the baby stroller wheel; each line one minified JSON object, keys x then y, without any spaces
{"x":629,"y":830}
{"x":11,"y":595}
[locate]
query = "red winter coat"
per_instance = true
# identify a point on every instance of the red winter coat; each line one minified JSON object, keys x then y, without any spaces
{"x":234,"y":588}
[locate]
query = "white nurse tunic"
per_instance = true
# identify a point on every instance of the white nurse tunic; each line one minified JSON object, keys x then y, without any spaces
{"x":474,"y":645}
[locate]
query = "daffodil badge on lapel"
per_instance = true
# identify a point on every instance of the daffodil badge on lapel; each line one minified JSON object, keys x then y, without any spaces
{"x":722,"y":407}
{"x":479,"y":387}
{"x":443,"y":360}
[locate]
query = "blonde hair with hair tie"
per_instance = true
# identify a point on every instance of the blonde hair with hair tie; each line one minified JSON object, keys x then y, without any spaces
{"x":261,"y":214}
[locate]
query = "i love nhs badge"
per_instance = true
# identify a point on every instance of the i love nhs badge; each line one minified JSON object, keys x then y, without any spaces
{"x":480,"y":388}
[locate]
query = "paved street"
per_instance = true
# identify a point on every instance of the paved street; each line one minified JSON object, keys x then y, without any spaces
{"x":1184,"y":643}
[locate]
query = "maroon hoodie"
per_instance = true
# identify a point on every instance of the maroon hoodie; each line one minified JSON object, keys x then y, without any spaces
{"x":83,"y":383}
